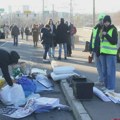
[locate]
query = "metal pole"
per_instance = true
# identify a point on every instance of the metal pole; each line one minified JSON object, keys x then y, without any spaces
{"x":93,"y":12}
{"x":43,"y":13}
{"x":71,"y":12}
{"x":53,"y":11}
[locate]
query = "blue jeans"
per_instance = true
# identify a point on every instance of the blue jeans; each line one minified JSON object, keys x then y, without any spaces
{"x":99,"y":67}
{"x":109,"y":70}
{"x":15,"y":37}
{"x":65,"y":49}
{"x":46,"y":50}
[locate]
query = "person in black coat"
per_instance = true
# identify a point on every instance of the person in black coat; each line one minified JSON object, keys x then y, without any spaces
{"x":53,"y":31}
{"x":7,"y":59}
{"x":46,"y":40}
{"x":15,"y":32}
{"x":62,"y":30}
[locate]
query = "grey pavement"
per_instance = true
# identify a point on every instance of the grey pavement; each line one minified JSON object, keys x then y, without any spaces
{"x":94,"y":109}
{"x":33,"y":57}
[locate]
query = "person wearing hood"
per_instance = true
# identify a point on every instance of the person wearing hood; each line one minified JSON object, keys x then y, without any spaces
{"x":7,"y":59}
{"x":108,"y":52}
{"x":95,"y":48}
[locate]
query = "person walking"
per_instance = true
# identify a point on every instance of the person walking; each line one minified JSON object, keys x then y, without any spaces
{"x":46,"y":40}
{"x":62,"y":38}
{"x":95,"y":48}
{"x":15,"y":33}
{"x":108,"y":52}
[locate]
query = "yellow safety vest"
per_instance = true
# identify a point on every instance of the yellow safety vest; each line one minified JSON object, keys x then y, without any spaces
{"x":106,"y":47}
{"x":94,"y":37}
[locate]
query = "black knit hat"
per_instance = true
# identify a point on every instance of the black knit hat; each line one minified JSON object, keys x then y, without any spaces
{"x":14,"y":57}
{"x":107,"y":19}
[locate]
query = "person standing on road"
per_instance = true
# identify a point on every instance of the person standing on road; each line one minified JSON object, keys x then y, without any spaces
{"x":27,"y":33}
{"x":22,"y":32}
{"x":7,"y":59}
{"x":35,"y":34}
{"x":46,"y":40}
{"x":73,"y":31}
{"x":69,"y":50}
{"x":108,"y":52}
{"x":15,"y":33}
{"x":62,"y":38}
{"x":95,"y":48}
{"x":53,"y":31}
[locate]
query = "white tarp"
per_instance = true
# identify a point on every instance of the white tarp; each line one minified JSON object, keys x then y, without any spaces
{"x":63,"y":70}
{"x":39,"y":71}
{"x":31,"y":106}
{"x":100,"y":94}
{"x":57,"y":77}
{"x":42,"y":79}
{"x":115,"y":97}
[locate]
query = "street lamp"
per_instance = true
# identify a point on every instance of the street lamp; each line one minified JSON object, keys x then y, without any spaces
{"x":93,"y":12}
{"x":43,"y":13}
{"x":71,"y":11}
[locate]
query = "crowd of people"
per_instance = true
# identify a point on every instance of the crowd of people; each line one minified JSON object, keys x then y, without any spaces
{"x":50,"y":35}
{"x":103,"y":45}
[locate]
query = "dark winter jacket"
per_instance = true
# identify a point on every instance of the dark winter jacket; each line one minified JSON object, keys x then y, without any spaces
{"x":62,"y":33}
{"x":15,"y":31}
{"x":27,"y":31}
{"x":46,"y":36}
{"x":54,"y":36}
{"x":7,"y":59}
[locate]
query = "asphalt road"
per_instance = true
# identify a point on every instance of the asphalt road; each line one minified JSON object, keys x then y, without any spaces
{"x":33,"y":57}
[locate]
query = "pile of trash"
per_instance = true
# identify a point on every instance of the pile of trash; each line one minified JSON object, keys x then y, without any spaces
{"x":23,"y":97}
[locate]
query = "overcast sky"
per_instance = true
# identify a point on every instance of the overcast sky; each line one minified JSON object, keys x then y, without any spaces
{"x":80,"y":6}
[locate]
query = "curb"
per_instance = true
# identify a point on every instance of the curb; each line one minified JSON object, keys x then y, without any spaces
{"x":78,"y":110}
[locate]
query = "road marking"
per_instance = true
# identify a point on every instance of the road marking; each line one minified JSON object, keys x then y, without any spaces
{"x":3,"y":44}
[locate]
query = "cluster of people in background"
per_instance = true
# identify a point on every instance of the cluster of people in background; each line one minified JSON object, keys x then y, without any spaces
{"x":50,"y":34}
{"x":103,"y":45}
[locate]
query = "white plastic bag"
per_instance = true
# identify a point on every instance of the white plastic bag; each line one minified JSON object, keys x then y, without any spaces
{"x":13,"y":95}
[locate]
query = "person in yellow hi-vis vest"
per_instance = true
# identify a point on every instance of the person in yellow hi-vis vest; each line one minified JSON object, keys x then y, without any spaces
{"x":108,"y":52}
{"x":95,"y":48}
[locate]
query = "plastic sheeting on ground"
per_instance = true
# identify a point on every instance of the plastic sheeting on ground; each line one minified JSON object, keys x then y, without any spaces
{"x":44,"y":81}
{"x":38,"y":71}
{"x":57,"y":77}
{"x":100,"y":94}
{"x":37,"y":104}
{"x":115,"y":97}
{"x":63,"y":70}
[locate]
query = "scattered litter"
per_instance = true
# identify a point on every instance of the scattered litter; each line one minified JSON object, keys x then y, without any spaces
{"x":115,"y":97}
{"x":64,"y":70}
{"x":44,"y":81}
{"x":13,"y":95}
{"x":38,"y":71}
{"x":57,"y":77}
{"x":100,"y":94}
